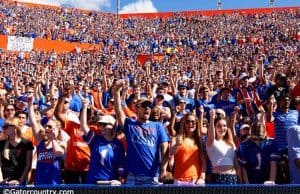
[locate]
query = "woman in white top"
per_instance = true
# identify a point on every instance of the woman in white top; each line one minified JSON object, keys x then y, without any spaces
{"x":221,"y":151}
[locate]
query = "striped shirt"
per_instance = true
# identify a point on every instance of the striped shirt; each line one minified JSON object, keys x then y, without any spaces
{"x":283,"y":121}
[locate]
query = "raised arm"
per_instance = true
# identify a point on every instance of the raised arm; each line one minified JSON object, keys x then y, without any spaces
{"x":271,"y":108}
{"x":16,"y":85}
{"x":116,"y":90}
{"x":83,"y":116}
{"x":35,"y":126}
{"x":59,"y":109}
{"x":211,"y":131}
{"x":171,"y":126}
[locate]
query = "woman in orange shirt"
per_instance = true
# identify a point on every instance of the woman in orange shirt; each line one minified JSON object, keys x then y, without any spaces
{"x":186,"y":148}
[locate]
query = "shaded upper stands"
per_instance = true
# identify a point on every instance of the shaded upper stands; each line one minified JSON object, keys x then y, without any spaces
{"x":73,"y":25}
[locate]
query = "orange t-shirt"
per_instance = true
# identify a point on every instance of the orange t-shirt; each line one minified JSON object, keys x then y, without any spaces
{"x":96,"y":99}
{"x":187,"y":163}
{"x":78,"y":151}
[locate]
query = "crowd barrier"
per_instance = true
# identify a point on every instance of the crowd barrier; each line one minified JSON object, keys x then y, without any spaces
{"x":165,"y":189}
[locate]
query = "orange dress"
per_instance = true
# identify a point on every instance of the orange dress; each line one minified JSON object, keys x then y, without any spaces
{"x":187,"y":163}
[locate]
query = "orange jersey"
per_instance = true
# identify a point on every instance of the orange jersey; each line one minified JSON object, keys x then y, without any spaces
{"x":78,"y":152}
{"x":187,"y":163}
{"x":96,"y":99}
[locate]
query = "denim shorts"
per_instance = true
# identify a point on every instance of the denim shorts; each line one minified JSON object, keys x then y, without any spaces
{"x":224,"y":179}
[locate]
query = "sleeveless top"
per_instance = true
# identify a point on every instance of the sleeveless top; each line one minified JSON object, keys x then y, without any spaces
{"x":47,"y":168}
{"x":221,"y":154}
{"x":187,"y":163}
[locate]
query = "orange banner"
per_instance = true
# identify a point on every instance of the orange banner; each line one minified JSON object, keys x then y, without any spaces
{"x":143,"y":58}
{"x":56,"y":45}
{"x":62,"y":46}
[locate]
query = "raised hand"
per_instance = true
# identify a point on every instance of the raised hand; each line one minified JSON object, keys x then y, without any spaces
{"x":30,"y":99}
{"x":85,"y":102}
{"x":118,"y":85}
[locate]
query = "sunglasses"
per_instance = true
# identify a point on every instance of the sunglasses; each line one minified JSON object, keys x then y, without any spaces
{"x":48,"y":126}
{"x":191,"y":121}
{"x":66,"y":102}
{"x":145,"y":105}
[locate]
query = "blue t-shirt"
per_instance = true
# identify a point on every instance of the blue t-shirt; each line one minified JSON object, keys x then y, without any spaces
{"x":256,"y":159}
{"x":283,"y":121}
{"x":106,"y":158}
{"x":143,"y":146}
{"x":207,"y":105}
{"x":227,"y":106}
{"x":75,"y":103}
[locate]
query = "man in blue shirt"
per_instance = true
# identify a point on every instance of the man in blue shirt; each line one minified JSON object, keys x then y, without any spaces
{"x":257,"y":157}
{"x":226,"y":101}
{"x":147,"y":142}
{"x":284,"y":118}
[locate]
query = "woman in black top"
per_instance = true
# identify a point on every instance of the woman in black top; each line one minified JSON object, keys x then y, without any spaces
{"x":15,"y":155}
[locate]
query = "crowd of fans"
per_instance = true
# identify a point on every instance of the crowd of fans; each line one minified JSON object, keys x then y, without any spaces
{"x":220,"y":106}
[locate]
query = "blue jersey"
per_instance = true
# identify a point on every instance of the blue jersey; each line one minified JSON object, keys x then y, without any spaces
{"x":227,"y":106}
{"x":207,"y":105}
{"x":256,"y":159}
{"x":143,"y":146}
{"x":47,"y":167}
{"x":106,"y":158}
